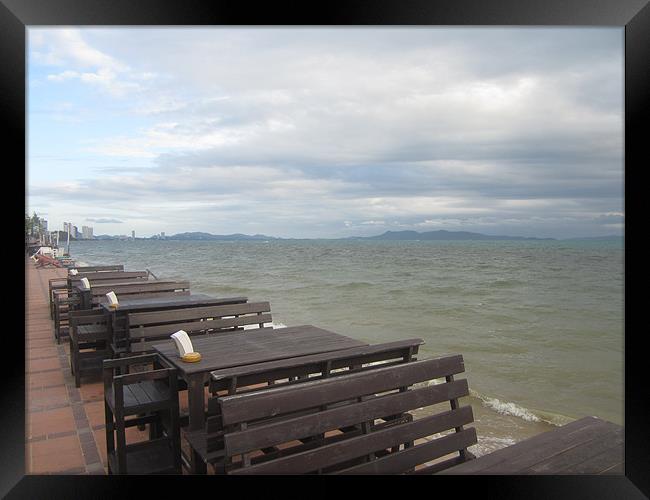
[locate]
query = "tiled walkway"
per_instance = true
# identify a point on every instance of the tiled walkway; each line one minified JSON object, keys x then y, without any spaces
{"x":65,"y":427}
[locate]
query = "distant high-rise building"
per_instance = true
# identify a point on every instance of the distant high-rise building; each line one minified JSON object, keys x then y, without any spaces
{"x":133,"y":234}
{"x":87,"y":232}
{"x":162,"y":234}
{"x":74,"y":232}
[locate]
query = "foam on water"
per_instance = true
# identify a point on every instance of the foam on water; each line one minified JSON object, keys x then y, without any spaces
{"x":488,"y":444}
{"x":514,"y":410}
{"x":506,"y":408}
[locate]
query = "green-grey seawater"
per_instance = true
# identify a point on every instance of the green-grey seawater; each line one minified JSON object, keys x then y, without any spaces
{"x":539,"y":323}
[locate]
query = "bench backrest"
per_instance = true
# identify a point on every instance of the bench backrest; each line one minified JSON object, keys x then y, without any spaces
{"x":281,"y":372}
{"x":108,"y":275}
{"x":321,"y":365}
{"x":152,"y":326}
{"x":87,"y":317}
{"x":91,"y":269}
{"x":139,"y":290}
{"x":359,"y":423}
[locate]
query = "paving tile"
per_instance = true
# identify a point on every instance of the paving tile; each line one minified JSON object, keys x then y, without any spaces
{"x":92,"y":387}
{"x":55,"y":455}
{"x":44,"y":379}
{"x":50,"y":422}
{"x":42,"y":352}
{"x":38,"y":343}
{"x":95,"y":413}
{"x":47,"y":397}
{"x":40,"y":365}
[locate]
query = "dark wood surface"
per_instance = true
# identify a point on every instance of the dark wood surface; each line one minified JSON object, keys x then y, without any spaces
{"x":287,"y":371}
{"x":586,"y":446}
{"x":256,"y":346}
{"x":137,"y":286}
{"x":142,"y":303}
{"x":92,"y":269}
{"x":359,"y":423}
{"x":107,"y":275}
{"x":170,"y":302}
{"x":322,"y":363}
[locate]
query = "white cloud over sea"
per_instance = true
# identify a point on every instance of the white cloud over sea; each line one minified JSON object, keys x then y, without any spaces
{"x":328,"y":132}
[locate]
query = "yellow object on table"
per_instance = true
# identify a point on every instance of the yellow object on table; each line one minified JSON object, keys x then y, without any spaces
{"x":191,"y":357}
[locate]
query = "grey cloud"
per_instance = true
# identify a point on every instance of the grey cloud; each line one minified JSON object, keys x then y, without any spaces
{"x":299,"y":130}
{"x":104,"y":221}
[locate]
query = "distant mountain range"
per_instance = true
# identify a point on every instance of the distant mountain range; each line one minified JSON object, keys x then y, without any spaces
{"x":441,"y":235}
{"x":607,"y":237}
{"x":221,"y":237}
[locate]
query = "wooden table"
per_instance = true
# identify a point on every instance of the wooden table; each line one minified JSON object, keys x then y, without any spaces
{"x":86,"y":297}
{"x":586,"y":446}
{"x":118,"y":318}
{"x":245,"y":348}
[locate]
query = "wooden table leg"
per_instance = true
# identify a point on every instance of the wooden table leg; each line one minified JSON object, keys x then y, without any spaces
{"x":196,"y":406}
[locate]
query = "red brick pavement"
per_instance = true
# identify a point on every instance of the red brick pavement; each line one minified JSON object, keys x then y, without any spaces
{"x":65,"y":425}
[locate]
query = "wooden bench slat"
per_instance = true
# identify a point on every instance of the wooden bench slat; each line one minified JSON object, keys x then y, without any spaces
{"x":145,"y":286}
{"x":180,"y":314}
{"x":136,"y":390}
{"x":101,"y":299}
{"x":197,"y":326}
{"x":287,"y":399}
{"x":103,"y":275}
{"x":111,"y":267}
{"x":408,"y":458}
{"x":578,"y":453}
{"x":329,"y":455}
{"x":526,"y":455}
{"x":296,"y":428}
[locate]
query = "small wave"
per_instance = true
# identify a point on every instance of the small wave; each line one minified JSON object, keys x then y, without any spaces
{"x":488,"y":444}
{"x":507,"y":408}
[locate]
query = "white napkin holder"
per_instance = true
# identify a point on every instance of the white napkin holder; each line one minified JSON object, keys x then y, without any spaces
{"x":85,"y":284}
{"x":73,"y":272}
{"x":183,"y":343}
{"x":112,"y":299}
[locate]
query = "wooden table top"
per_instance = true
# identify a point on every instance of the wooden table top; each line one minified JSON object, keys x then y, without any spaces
{"x":167,"y":302}
{"x":256,"y":346}
{"x":586,"y":446}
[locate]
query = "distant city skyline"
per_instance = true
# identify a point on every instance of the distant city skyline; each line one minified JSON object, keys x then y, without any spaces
{"x":327,"y":132}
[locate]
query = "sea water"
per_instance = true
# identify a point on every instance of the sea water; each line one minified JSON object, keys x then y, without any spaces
{"x":539,"y":323}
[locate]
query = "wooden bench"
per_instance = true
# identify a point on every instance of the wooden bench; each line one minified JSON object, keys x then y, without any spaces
{"x":588,"y":445}
{"x":149,"y":328}
{"x":207,"y":443}
{"x":93,"y":297}
{"x":93,"y":269}
{"x":63,"y":303}
{"x":347,"y":425}
{"x":109,"y":275}
{"x":56,"y":284}
{"x":89,"y":342}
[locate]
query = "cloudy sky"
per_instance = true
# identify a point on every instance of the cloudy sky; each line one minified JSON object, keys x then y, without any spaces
{"x":335,"y":132}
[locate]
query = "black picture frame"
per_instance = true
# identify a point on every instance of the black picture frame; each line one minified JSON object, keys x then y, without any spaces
{"x":17,"y":15}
